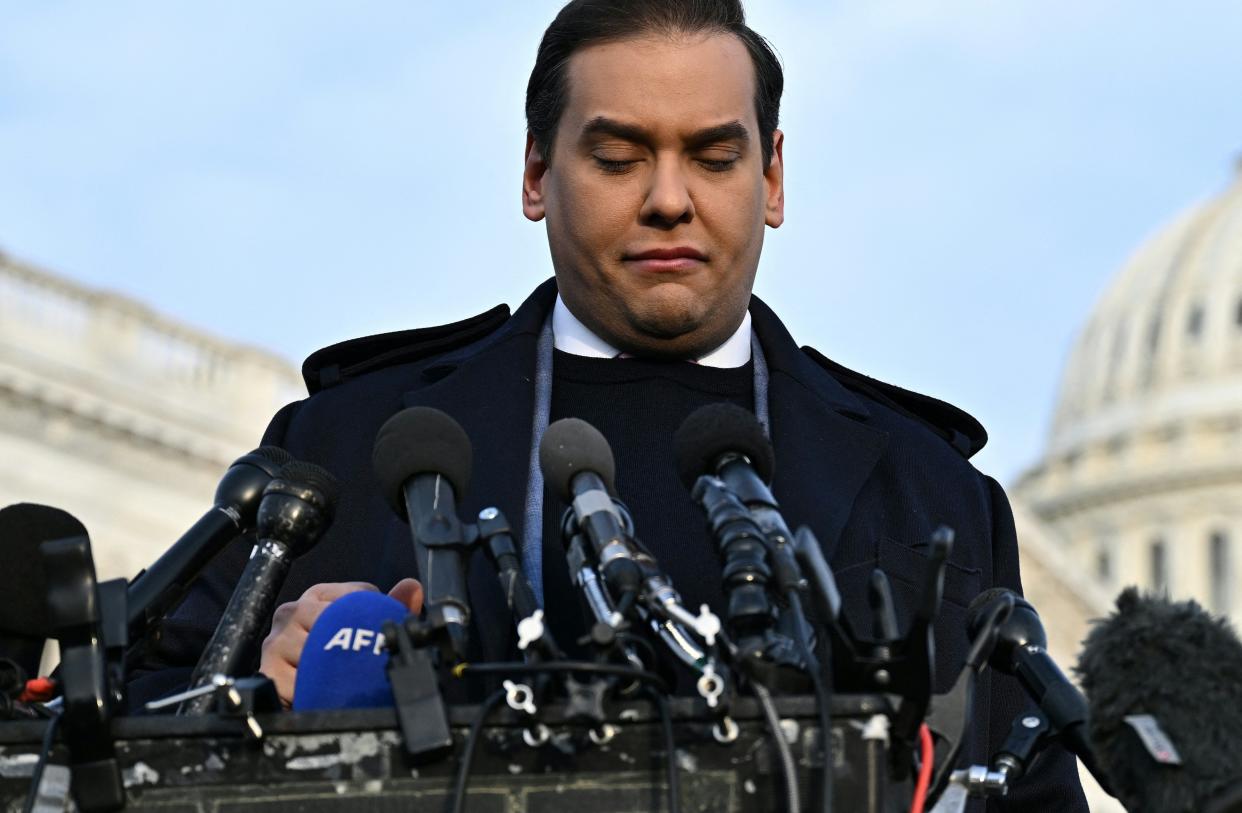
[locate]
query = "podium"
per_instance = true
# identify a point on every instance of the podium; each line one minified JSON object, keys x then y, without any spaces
{"x":355,"y":760}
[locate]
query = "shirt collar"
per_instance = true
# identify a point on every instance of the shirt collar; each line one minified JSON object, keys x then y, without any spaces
{"x":573,"y":337}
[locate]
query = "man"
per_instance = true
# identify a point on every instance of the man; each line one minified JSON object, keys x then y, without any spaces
{"x":654,"y":159}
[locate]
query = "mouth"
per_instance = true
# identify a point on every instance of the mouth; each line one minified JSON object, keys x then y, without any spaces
{"x":666,"y":260}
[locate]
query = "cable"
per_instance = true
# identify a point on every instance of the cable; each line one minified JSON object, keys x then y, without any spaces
{"x":925,"y":770}
{"x":467,"y":756}
{"x":793,"y":802}
{"x":822,"y":699}
{"x":36,"y":776}
{"x":582,"y":667}
{"x":670,"y":745}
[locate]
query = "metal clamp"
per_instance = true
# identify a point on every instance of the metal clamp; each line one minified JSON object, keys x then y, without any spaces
{"x":520,"y":697}
{"x":536,"y":736}
{"x":604,"y":734}
{"x":530,"y":629}
{"x":725,"y":731}
{"x":710,"y":686}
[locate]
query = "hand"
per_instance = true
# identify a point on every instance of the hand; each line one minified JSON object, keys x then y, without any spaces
{"x":292,"y":622}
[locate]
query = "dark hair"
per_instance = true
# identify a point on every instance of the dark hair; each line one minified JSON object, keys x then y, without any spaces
{"x":587,"y":22}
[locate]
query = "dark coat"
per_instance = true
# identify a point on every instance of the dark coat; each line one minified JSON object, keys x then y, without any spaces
{"x":872,"y":469}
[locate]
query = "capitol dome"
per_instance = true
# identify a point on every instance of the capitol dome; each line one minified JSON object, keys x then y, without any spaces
{"x":1141,"y":481}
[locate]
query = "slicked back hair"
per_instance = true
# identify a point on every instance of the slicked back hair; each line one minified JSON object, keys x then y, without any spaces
{"x":589,"y":22}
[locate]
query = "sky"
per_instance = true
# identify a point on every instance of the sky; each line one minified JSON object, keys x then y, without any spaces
{"x":963,"y":177}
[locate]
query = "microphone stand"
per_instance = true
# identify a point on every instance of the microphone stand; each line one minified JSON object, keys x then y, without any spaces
{"x":86,"y":616}
{"x":417,"y":646}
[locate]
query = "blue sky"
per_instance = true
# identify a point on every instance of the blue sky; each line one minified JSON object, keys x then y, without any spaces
{"x":964,"y":176}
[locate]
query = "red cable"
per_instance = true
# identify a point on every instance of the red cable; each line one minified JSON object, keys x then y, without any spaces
{"x":39,"y":690}
{"x":925,"y":770}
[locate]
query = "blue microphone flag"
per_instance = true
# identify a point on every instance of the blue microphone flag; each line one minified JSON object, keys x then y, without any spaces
{"x":343,"y":661}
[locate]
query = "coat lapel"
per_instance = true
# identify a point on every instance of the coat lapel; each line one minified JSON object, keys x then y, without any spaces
{"x":824,"y":450}
{"x":489,"y":389}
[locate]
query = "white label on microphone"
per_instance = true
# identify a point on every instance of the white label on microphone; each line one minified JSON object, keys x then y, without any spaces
{"x":1154,"y":739}
{"x":349,"y":638}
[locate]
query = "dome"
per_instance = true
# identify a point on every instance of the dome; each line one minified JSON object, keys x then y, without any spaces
{"x":1164,"y":345}
{"x":1141,"y":481}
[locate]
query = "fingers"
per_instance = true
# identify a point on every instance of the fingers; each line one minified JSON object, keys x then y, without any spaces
{"x":291,"y":624}
{"x":410,"y":593}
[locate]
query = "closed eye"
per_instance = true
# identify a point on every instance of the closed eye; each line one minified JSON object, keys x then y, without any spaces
{"x":613,"y":167}
{"x":717,"y":165}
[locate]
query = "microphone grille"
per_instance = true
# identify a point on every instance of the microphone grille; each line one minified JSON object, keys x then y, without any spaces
{"x":716,"y":430}
{"x":570,"y":446}
{"x":309,"y":475}
{"x":273,"y":454}
{"x":420,"y":440}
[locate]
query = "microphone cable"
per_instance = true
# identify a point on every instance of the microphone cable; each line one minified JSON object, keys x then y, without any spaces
{"x":579,"y":667}
{"x":36,"y":776}
{"x":472,"y":742}
{"x":655,"y":685}
{"x":823,"y":698}
{"x":670,"y":746}
{"x":793,"y":802}
{"x":926,"y":761}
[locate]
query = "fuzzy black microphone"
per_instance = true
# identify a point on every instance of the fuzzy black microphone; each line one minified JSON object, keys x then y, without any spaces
{"x":1158,"y":669}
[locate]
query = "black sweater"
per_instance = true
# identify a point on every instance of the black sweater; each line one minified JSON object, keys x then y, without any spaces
{"x":638,"y":404}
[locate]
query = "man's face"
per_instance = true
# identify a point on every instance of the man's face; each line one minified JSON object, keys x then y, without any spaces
{"x":656,"y":197}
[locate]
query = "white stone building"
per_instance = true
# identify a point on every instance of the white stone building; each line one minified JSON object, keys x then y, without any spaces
{"x":1141,"y":482}
{"x":121,"y":416}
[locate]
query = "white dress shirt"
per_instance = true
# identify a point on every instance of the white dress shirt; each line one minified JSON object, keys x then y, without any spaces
{"x":571,"y":336}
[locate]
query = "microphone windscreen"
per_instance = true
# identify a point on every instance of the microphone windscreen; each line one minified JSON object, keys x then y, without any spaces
{"x":343,"y":661}
{"x":716,"y":430}
{"x":308,"y":475}
{"x":271,"y":454}
{"x":1174,"y":662}
{"x":23,"y":586}
{"x":420,"y":440}
{"x":570,"y":446}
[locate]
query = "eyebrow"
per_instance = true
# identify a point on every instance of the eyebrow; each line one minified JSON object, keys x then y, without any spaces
{"x":729,"y":131}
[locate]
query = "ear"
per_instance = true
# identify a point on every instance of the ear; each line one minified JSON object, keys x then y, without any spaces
{"x":532,"y":182}
{"x":774,"y":182}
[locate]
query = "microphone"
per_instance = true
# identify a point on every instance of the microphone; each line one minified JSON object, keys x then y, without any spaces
{"x":725,"y":445}
{"x":24,"y":623}
{"x":296,"y":508}
{"x":728,"y":441}
{"x":1021,"y":651}
{"x":1163,"y":681}
{"x":155,"y":590}
{"x":422,"y":461}
{"x":344,"y":662}
{"x":578,"y":466}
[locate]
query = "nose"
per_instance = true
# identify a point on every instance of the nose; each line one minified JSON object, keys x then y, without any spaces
{"x":668,"y":199}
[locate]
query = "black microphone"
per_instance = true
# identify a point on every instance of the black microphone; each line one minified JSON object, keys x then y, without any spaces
{"x":422,"y":460}
{"x":24,"y":623}
{"x":295,"y":510}
{"x":1021,"y":650}
{"x":578,"y":466}
{"x":155,"y":590}
{"x":728,"y":441}
{"x":1163,"y":681}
